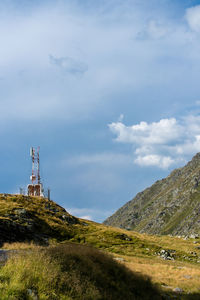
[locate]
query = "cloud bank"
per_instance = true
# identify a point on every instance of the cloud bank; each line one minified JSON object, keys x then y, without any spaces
{"x":111,"y":37}
{"x":162,"y":143}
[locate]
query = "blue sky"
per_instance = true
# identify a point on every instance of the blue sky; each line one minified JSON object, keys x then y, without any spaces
{"x":108,"y":89}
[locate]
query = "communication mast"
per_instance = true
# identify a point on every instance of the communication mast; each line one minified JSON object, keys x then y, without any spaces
{"x":35,"y":188}
{"x":38,"y":164}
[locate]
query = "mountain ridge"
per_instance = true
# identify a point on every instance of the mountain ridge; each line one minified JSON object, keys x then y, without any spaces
{"x":170,"y":206}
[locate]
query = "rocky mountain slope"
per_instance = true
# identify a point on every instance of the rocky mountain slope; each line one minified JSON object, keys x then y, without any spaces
{"x":169,"y":206}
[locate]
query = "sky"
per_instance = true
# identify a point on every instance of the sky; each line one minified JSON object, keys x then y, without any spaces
{"x":109,"y":90}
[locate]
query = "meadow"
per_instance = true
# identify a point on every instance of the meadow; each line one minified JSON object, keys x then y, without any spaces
{"x":53,"y":255}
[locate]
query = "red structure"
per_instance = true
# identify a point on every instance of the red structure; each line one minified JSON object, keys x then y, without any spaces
{"x":35,"y":188}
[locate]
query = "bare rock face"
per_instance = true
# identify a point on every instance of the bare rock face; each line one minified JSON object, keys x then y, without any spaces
{"x":169,"y":206}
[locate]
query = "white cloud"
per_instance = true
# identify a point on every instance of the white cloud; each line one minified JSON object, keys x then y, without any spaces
{"x":89,"y":213}
{"x":163,"y":132}
{"x":154,"y":160}
{"x":83,"y":213}
{"x":86,"y":217}
{"x":161,"y":143}
{"x":193,"y":17}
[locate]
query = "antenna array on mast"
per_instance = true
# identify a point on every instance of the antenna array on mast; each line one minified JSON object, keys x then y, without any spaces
{"x":35,"y":188}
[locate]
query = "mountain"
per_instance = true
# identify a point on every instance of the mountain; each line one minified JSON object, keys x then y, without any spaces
{"x":169,"y":206}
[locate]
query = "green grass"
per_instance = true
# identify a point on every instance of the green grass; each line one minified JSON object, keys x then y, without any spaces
{"x":47,"y":218}
{"x":139,"y":250}
{"x":71,"y":272}
{"x":42,"y":219}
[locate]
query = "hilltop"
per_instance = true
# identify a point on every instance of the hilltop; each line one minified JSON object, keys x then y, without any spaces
{"x":25,"y":218}
{"x":169,"y":206}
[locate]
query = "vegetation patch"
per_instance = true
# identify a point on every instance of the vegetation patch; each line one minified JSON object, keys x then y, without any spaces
{"x":71,"y":272}
{"x":27,"y":223}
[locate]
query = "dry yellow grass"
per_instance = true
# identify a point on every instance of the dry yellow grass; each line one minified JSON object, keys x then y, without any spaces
{"x":20,"y":246}
{"x":172,"y":242}
{"x":168,"y":274}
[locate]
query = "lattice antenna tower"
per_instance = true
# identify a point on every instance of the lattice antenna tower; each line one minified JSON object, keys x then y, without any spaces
{"x":35,"y":156}
{"x":38,"y":164}
{"x":35,"y":188}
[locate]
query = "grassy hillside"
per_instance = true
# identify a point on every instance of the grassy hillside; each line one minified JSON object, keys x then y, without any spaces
{"x":170,"y":262}
{"x":24,"y":218}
